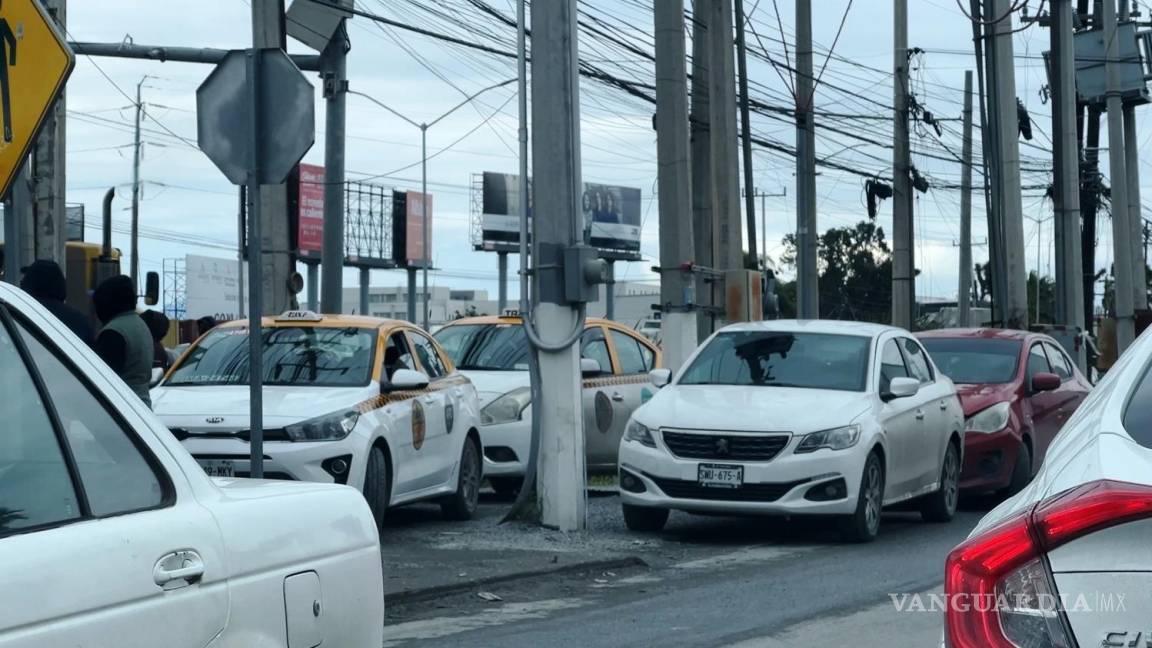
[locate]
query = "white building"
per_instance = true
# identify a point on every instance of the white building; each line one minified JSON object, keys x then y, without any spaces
{"x":444,"y":304}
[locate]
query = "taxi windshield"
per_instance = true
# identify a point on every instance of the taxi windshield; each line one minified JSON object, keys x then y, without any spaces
{"x":485,"y":347}
{"x":782,"y":359}
{"x":312,"y":356}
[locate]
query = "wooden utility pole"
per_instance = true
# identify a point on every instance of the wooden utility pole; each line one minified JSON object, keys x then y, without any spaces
{"x":964,"y":297}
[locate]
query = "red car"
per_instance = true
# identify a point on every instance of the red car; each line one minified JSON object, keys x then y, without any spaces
{"x":1017,"y":390}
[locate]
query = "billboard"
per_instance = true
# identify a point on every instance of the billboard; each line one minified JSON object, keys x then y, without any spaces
{"x":310,"y":211}
{"x":408,"y":218}
{"x":211,"y":287}
{"x":611,"y":213}
{"x":75,"y":216}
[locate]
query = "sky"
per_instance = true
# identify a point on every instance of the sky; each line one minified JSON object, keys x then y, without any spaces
{"x":190,"y":208}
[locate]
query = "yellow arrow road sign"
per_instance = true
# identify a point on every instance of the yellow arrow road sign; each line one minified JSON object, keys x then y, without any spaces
{"x":35,"y":61}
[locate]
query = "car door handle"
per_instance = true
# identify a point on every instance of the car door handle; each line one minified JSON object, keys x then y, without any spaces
{"x":178,"y":569}
{"x":618,"y":397}
{"x":943,"y":405}
{"x":919,"y":415}
{"x":429,"y":399}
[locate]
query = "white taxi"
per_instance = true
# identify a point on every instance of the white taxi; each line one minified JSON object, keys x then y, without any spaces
{"x":368,"y":402}
{"x":493,"y":353}
{"x":111,"y":535}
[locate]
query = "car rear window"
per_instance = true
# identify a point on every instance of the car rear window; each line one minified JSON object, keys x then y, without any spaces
{"x":974,"y":361}
{"x":485,"y":347}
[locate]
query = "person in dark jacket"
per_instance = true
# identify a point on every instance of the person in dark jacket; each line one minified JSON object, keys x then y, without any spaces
{"x":44,"y":281}
{"x":124,"y":342}
{"x":158,"y":325}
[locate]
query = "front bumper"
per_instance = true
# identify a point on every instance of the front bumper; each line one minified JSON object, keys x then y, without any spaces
{"x":301,"y":461}
{"x":989,"y":460}
{"x":780,"y":486}
{"x":506,"y":447}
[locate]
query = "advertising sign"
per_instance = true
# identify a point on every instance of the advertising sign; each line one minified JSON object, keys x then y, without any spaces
{"x":500,"y":218}
{"x":310,"y":214}
{"x":211,"y":288}
{"x":419,"y":216}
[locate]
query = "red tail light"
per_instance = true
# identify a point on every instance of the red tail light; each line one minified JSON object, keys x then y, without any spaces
{"x":987,"y":576}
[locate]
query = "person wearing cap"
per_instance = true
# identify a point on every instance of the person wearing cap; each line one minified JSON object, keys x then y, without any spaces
{"x":44,"y":281}
{"x":124,"y":342}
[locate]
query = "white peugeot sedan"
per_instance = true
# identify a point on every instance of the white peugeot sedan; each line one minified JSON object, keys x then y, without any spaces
{"x":493,"y":353}
{"x":1067,"y":561}
{"x":112,"y":535}
{"x":368,"y":402}
{"x":796,"y":418}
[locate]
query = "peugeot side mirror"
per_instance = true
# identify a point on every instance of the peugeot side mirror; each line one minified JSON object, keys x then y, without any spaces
{"x":660,"y":377}
{"x":1044,"y":381}
{"x":590,"y":367}
{"x":406,"y":380}
{"x":902,"y":388}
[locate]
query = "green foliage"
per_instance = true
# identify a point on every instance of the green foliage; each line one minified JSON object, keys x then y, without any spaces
{"x":855,"y":265}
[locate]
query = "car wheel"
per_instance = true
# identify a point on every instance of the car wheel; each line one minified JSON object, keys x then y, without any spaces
{"x":643,"y":518}
{"x":377,"y":485}
{"x":462,"y":504}
{"x":941,"y":505}
{"x":864,"y":524}
{"x":1021,"y":472}
{"x":506,"y":485}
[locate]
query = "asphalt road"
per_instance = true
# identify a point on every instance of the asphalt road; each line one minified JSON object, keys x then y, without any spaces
{"x":713,"y":582}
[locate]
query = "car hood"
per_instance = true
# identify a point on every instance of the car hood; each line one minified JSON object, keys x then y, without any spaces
{"x":192,"y":407}
{"x":731,"y":407}
{"x":490,"y":385}
{"x":977,"y":397}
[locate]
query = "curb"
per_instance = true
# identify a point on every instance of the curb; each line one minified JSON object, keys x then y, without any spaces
{"x":424,"y":594}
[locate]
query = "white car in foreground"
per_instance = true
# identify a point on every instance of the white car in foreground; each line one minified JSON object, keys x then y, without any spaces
{"x":112,"y":535}
{"x":368,"y":402}
{"x":1067,"y":561}
{"x":796,"y":418}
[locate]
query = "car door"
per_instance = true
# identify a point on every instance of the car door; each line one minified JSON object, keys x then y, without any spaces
{"x":600,"y":411}
{"x":633,"y":362}
{"x":1070,"y":394}
{"x":405,"y":440}
{"x":898,"y":417}
{"x":440,"y":448}
{"x":101,"y":538}
{"x":933,"y":400}
{"x":1043,"y":408}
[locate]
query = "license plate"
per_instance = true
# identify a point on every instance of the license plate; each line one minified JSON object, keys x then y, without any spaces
{"x":720,"y":475}
{"x":217,"y":467}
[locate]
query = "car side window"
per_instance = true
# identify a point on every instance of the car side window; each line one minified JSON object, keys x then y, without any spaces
{"x":628,"y":351}
{"x":917,"y":361}
{"x":397,"y":355}
{"x":1037,"y":361}
{"x":36,"y":488}
{"x":891,"y":365}
{"x":1060,"y":363}
{"x":117,"y":477}
{"x":429,"y":358}
{"x":593,"y":345}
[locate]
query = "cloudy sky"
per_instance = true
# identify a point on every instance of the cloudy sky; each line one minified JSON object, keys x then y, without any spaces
{"x":189,"y":207}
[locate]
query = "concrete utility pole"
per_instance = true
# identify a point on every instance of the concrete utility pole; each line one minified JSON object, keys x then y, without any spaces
{"x":1118,"y":167}
{"x":1089,"y":208}
{"x":673,"y":151}
{"x":557,"y":191}
{"x":50,"y":213}
{"x":135,"y":243}
{"x":964,"y":297}
{"x":278,"y":262}
{"x":335,"y":59}
{"x":701,"y":159}
{"x":18,"y":248}
{"x":412,"y":295}
{"x":502,"y":270}
{"x":726,"y":227}
{"x":1015,"y":300}
{"x":1135,"y":217}
{"x":313,"y":277}
{"x":1066,"y":169}
{"x":746,"y":130}
{"x":807,"y":277}
{"x":903,"y":285}
{"x":364,"y":281}
{"x":989,"y":127}
{"x":610,"y":291}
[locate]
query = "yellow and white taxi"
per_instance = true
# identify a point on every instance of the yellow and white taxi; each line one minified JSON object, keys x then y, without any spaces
{"x":368,"y":402}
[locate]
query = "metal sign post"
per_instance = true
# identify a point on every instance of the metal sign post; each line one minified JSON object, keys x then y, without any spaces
{"x":255,"y":277}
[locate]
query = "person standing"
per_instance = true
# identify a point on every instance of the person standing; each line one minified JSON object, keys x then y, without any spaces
{"x":44,"y":281}
{"x":124,"y":342}
{"x":158,"y":324}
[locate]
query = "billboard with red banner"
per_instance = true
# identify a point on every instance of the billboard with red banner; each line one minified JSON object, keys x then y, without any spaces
{"x":310,"y":211}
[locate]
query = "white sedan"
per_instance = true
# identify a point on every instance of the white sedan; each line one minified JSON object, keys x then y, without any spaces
{"x":112,"y":535}
{"x":796,"y":418}
{"x":1067,"y":562}
{"x":368,"y":402}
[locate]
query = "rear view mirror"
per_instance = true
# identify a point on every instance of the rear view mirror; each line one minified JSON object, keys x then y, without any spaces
{"x":901,"y":388}
{"x":1044,"y":381}
{"x":152,"y":288}
{"x":590,"y":367}
{"x":660,"y":377}
{"x":406,"y":380}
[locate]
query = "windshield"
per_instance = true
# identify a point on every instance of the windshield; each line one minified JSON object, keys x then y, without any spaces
{"x":782,"y":359}
{"x":312,"y":356}
{"x":485,"y":347}
{"x":972,"y":361}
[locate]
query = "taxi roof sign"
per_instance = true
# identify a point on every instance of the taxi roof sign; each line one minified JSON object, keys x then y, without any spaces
{"x":35,"y":61}
{"x":299,"y":316}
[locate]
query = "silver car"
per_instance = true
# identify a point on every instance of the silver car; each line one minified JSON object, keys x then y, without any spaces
{"x":1068,"y":561}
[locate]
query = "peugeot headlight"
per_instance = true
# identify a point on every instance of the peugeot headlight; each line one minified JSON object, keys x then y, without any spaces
{"x":639,"y":433}
{"x":991,"y":419}
{"x":507,"y":408}
{"x":839,"y":438}
{"x":330,"y":427}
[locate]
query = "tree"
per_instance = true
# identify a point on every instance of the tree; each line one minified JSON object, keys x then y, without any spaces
{"x":1047,"y":287}
{"x":855,"y":265}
